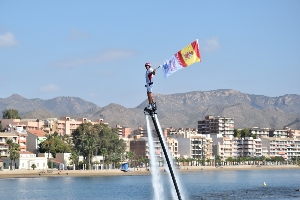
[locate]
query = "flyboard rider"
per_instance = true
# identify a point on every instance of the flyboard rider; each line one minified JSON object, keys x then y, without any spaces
{"x":149,"y":84}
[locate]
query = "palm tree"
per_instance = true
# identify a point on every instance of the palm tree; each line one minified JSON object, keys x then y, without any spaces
{"x":14,"y":151}
{"x":208,"y":161}
{"x":218,"y":160}
{"x":49,"y":142}
{"x":74,"y":158}
{"x":229,"y":160}
{"x":89,"y":148}
{"x":103,"y":153}
{"x":130,"y":155}
{"x":189,"y":161}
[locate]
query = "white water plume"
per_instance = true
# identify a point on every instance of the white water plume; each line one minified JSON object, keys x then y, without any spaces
{"x":182,"y":193}
{"x":154,"y":168}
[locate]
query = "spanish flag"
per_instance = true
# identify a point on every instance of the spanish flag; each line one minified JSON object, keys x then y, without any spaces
{"x":183,"y":58}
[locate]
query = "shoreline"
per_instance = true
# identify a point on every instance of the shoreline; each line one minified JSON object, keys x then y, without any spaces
{"x":133,"y":172}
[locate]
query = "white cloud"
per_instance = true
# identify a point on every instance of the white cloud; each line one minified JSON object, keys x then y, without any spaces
{"x":77,"y":34}
{"x":49,"y":88}
{"x":105,"y":56}
{"x":211,"y":45}
{"x":7,"y":39}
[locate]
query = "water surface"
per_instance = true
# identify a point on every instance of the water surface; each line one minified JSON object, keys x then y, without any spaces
{"x":242,"y":184}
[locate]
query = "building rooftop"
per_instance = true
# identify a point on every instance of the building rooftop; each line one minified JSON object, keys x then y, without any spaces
{"x":38,"y":133}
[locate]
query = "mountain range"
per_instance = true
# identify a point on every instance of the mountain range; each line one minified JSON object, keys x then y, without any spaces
{"x":175,"y":110}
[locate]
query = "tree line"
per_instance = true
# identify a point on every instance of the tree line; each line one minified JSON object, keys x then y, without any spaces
{"x":243,"y":133}
{"x":90,"y":140}
{"x":87,"y":140}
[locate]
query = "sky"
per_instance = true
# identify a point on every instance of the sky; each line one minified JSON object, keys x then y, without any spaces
{"x":96,"y":50}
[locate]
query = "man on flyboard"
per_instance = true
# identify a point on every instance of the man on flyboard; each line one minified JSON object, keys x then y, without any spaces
{"x":149,"y":83}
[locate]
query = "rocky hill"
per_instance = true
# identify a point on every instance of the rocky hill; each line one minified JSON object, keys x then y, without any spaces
{"x":176,"y":110}
{"x":59,"y":106}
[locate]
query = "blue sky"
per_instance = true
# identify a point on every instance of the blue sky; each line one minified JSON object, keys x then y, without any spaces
{"x":96,"y":50}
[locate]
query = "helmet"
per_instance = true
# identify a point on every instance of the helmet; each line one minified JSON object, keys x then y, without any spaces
{"x":148,"y":64}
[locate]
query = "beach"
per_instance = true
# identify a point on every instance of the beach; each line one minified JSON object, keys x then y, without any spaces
{"x":133,"y":171}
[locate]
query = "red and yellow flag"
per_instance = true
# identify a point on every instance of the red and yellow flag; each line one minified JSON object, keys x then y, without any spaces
{"x":189,"y":54}
{"x":183,"y":58}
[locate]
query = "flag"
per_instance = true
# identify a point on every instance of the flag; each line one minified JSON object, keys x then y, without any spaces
{"x":183,"y":58}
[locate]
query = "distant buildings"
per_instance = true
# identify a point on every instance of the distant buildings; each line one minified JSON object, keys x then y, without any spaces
{"x":123,"y":132}
{"x":260,"y":132}
{"x":63,"y":126}
{"x":216,"y":125}
{"x":214,"y":137}
{"x":238,"y":147}
{"x":66,"y":125}
{"x":284,"y":147}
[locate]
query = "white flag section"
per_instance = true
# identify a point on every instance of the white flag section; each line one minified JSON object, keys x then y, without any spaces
{"x":171,"y":66}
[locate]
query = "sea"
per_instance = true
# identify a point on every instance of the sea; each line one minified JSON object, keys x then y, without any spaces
{"x":222,"y":184}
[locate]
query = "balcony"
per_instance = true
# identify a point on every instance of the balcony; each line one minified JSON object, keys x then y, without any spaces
{"x":3,"y":147}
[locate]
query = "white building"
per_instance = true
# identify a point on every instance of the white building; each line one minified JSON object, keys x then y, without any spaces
{"x":26,"y":160}
{"x":260,"y":132}
{"x":197,"y":147}
{"x":237,"y":147}
{"x":284,"y":147}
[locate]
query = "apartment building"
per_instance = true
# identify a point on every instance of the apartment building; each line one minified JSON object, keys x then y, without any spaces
{"x":172,"y":144}
{"x":197,"y":147}
{"x":141,"y":147}
{"x":237,"y":147}
{"x":3,"y":146}
{"x":141,"y":132}
{"x":278,"y":133}
{"x":22,"y":135}
{"x":248,"y":147}
{"x":216,"y":125}
{"x":63,"y":126}
{"x":260,"y":132}
{"x":181,"y":133}
{"x":200,"y":147}
{"x":26,"y":124}
{"x":226,"y":149}
{"x":284,"y":147}
{"x":293,"y":133}
{"x":123,"y":132}
{"x":66,"y":125}
{"x":34,"y":138}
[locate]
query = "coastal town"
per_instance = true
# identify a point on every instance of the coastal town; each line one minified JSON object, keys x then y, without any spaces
{"x":215,"y":142}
